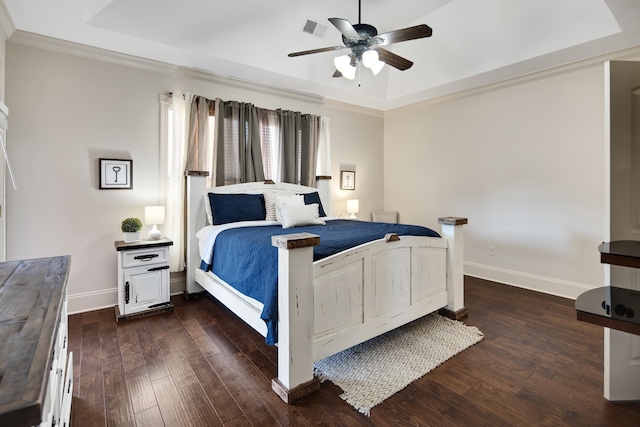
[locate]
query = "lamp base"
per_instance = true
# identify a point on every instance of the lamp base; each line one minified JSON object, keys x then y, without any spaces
{"x":154,"y":234}
{"x":353,"y":216}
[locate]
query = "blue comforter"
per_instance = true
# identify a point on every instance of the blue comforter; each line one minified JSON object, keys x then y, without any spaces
{"x":244,"y":258}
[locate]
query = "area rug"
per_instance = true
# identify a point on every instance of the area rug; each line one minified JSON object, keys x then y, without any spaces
{"x":370,"y":372}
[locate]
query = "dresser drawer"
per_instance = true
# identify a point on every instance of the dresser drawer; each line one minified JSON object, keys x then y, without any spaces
{"x":136,"y":258}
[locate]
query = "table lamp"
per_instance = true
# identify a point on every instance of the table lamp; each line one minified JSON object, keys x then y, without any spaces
{"x":353,"y":207}
{"x":154,"y":215}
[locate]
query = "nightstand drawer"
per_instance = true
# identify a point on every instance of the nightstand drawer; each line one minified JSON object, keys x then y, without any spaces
{"x":135,"y":258}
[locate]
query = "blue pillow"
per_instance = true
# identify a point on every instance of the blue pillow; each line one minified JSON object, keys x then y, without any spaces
{"x":311,"y":198}
{"x":236,"y":207}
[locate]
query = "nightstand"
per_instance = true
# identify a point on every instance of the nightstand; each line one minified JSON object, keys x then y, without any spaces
{"x":143,"y":278}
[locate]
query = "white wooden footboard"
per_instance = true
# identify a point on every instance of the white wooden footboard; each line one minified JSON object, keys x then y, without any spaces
{"x":375,"y":288}
{"x":355,"y":296}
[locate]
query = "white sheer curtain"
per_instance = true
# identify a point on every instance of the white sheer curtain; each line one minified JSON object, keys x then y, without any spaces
{"x":176,"y":163}
{"x":323,"y":167}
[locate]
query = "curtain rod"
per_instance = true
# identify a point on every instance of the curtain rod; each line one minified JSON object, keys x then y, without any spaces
{"x":278,"y":110}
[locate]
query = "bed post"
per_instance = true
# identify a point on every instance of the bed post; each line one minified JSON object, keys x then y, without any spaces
{"x":295,"y":326}
{"x":195,"y":187}
{"x":452,"y":230}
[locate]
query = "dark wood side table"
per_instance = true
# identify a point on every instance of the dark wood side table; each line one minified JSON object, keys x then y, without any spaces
{"x":610,"y":306}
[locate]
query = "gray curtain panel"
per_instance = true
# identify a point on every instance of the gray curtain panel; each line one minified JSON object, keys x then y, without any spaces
{"x":299,"y":136}
{"x":238,"y":157}
{"x":233,"y":154}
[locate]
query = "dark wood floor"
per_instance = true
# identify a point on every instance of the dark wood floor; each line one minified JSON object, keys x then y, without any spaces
{"x":199,"y":365}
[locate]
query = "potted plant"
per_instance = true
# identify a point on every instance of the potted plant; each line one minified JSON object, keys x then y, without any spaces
{"x":131,"y":228}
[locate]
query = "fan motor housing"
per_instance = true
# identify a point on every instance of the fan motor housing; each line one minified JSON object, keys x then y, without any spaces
{"x":365,"y":31}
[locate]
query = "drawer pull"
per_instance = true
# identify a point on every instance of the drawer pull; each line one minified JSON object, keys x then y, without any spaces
{"x":147,"y":257}
{"x":164,"y":267}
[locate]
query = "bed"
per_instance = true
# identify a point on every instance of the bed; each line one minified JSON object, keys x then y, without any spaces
{"x":330,"y":304}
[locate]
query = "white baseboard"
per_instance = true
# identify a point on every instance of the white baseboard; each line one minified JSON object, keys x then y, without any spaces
{"x":547,"y":285}
{"x":89,"y":301}
{"x":177,"y":285}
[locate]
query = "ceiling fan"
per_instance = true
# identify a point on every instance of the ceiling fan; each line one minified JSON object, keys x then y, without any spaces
{"x":366,"y":46}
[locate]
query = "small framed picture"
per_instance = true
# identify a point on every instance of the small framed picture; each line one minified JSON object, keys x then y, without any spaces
{"x":116,"y":174}
{"x":348,"y":180}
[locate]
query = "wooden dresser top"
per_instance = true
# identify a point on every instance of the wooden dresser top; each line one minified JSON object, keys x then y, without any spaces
{"x":31,"y":296}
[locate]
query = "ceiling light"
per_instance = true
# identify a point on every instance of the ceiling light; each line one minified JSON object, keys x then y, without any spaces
{"x":343,"y":64}
{"x":347,"y":64}
{"x":371,"y":60}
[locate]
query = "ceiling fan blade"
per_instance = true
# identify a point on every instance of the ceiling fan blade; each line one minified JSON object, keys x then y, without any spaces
{"x":337,"y":74}
{"x":345,"y":28}
{"x":410,"y":33}
{"x":394,"y":60}
{"x":323,"y":49}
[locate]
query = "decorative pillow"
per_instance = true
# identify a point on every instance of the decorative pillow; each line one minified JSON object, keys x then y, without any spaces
{"x":236,"y":207}
{"x":296,"y":215}
{"x":270,"y":205}
{"x":295,"y":200}
{"x":311,"y":198}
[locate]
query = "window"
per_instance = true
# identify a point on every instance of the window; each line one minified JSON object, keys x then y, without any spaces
{"x":269,"y":142}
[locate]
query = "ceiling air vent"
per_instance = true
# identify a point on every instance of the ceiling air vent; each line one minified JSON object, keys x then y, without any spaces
{"x":314,"y":28}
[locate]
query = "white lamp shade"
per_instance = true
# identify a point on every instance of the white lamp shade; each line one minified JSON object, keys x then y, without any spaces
{"x":153,"y":215}
{"x":353,"y":206}
{"x":371,"y":60}
{"x":343,"y":64}
{"x":376,"y":67}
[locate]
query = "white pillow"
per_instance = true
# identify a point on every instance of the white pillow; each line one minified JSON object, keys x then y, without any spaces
{"x":296,"y":215}
{"x":295,"y":200}
{"x":270,"y":205}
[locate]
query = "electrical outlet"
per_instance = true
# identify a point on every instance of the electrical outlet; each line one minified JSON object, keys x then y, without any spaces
{"x":492,"y":250}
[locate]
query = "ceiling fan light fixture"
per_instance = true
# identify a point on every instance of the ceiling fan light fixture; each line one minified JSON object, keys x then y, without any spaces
{"x":371,"y":60}
{"x":377,"y":67}
{"x":343,"y":64}
{"x":366,"y":45}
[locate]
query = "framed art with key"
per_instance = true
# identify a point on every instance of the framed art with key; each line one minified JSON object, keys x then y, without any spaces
{"x":116,"y":174}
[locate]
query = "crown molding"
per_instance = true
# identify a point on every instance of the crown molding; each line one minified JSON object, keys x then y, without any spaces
{"x":6,"y":24}
{"x":353,"y":108}
{"x":206,"y":76}
{"x":596,"y":61}
{"x":89,"y":52}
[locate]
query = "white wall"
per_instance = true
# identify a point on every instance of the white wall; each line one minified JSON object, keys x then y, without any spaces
{"x":356,"y":143}
{"x":66,"y":111}
{"x":524,"y":162}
